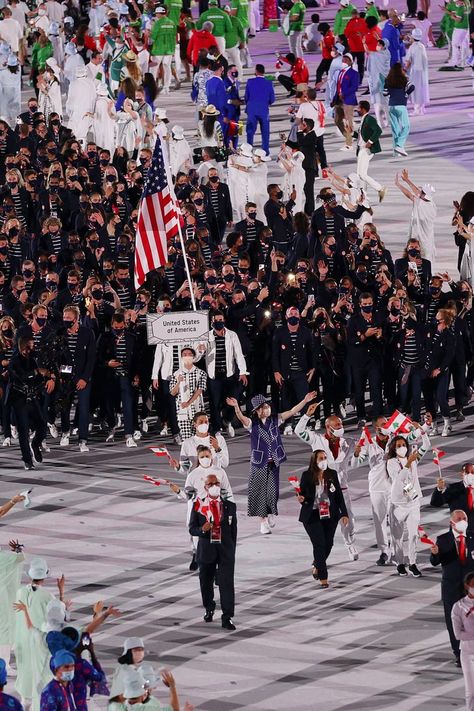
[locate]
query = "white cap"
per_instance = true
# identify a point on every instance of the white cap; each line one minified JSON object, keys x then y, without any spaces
{"x":246,"y":150}
{"x":68,"y":20}
{"x":348,"y":54}
{"x":12,"y":60}
{"x":53,"y":29}
{"x":417,"y":34}
{"x":132,"y":643}
{"x":161,"y":114}
{"x":70,"y":49}
{"x":344,"y":3}
{"x":260,"y":153}
{"x":428,"y":190}
{"x":160,"y":10}
{"x":38,"y":569}
{"x":178,"y":132}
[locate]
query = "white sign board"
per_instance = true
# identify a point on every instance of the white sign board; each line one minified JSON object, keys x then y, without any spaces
{"x":177,"y":327}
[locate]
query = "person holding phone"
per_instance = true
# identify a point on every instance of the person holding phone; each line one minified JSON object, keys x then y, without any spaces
{"x":322,"y":507}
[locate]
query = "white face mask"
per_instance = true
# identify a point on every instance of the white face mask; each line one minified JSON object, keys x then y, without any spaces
{"x":202,"y":428}
{"x":323,"y":464}
{"x":214,"y":490}
{"x":187,"y":360}
{"x":461,"y":526}
{"x":338,"y":432}
{"x":469,"y":479}
{"x":401,"y":451}
{"x":205,"y":462}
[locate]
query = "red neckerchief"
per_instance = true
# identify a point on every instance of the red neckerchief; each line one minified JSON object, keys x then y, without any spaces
{"x":379,"y":442}
{"x":333,"y":445}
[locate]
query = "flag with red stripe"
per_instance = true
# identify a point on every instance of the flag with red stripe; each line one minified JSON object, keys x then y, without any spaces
{"x":437,"y":454}
{"x":158,"y":219}
{"x":398,"y":422}
{"x":424,"y":538}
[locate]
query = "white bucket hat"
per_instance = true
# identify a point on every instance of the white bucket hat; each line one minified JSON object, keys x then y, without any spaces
{"x":38,"y":569}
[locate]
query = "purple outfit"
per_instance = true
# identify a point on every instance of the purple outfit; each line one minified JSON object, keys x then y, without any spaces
{"x":267,"y":453}
{"x":9,"y":703}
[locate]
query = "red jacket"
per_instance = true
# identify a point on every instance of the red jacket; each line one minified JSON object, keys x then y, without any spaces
{"x":356,"y":29}
{"x":200,"y":39}
{"x":372,"y":37}
{"x":299,"y":71}
{"x":327,"y":43}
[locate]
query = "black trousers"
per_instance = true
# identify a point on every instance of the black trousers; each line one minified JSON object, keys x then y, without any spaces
{"x":321,"y":534}
{"x":207,"y":573}
{"x":294,"y":389}
{"x":323,"y":68}
{"x":28,"y":415}
{"x":287,"y":82}
{"x":371,"y":371}
{"x":321,"y":151}
{"x":219,"y":389}
{"x":311,"y":175}
{"x":448,"y":604}
{"x":412,"y":7}
{"x":360,"y":58}
{"x":435,"y":391}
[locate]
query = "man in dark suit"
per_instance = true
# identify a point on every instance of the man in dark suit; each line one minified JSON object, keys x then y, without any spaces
{"x":307,"y":145}
{"x":218,"y":197}
{"x":293,"y":359}
{"x":368,"y":144}
{"x":249,"y":228}
{"x":454,"y":551}
{"x":279,"y":218}
{"x":459,"y":495}
{"x":214,"y":521}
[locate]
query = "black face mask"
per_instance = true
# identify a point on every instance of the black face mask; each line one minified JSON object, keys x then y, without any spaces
{"x":104,"y":161}
{"x":199,"y":201}
{"x":80,"y":262}
{"x":55,"y":122}
{"x":252,"y":215}
{"x":97,"y":294}
{"x":53,"y":189}
{"x":27,"y":273}
{"x":319,"y":320}
{"x":51,"y":286}
{"x":117,"y":332}
{"x":413,"y":253}
{"x":366,"y":309}
{"x":394,"y":311}
{"x":110,"y":178}
{"x":219,"y":325}
{"x":3,"y":250}
{"x":229,"y":278}
{"x":13,"y":231}
{"x":41,"y":321}
{"x":107,"y":271}
{"x":91,"y":155}
{"x":12,"y":184}
{"x":279,"y":195}
{"x":211,"y":280}
{"x":71,"y":286}
{"x":293,"y":320}
{"x":362,"y":276}
{"x":214,"y":179}
{"x":331,"y":247}
{"x":68,"y":324}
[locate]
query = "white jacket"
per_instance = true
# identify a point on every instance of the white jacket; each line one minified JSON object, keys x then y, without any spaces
{"x":163,"y":360}
{"x":234,"y":355}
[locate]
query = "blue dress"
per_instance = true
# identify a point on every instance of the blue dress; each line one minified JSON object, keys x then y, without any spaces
{"x":267,"y":453}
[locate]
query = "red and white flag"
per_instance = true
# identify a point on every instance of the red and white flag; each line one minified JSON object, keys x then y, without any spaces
{"x":295,"y":483}
{"x":156,"y":482}
{"x":424,"y":538}
{"x":398,"y":422}
{"x":365,"y":437}
{"x":437,"y":454}
{"x":160,"y":451}
{"x":158,"y":219}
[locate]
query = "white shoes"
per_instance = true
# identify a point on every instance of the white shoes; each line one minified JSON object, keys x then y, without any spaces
{"x":130,"y":442}
{"x":164,"y":432}
{"x":44,"y":446}
{"x":271,"y":520}
{"x":346,"y":148}
{"x":178,"y":439}
{"x":83,"y":447}
{"x":145,"y":425}
{"x":7,"y":442}
{"x":111,"y":435}
{"x":317,"y":425}
{"x":137,"y":435}
{"x":434,"y":430}
{"x":14,"y":432}
{"x":64,"y":442}
{"x":230,"y":430}
{"x":446,"y":427}
{"x":265,"y":528}
{"x":288,"y":430}
{"x":401,"y":151}
{"x":353,"y":552}
{"x":53,"y":430}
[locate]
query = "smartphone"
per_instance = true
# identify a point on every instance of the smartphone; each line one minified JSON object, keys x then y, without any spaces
{"x":413,"y":266}
{"x":311,"y":299}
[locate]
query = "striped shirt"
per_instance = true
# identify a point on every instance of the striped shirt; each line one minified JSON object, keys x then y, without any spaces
{"x":214,"y":198}
{"x":121,"y":350}
{"x":16,"y":197}
{"x":125,"y":298}
{"x":251,"y":232}
{"x":56,"y":242}
{"x":294,"y":365}
{"x":72,"y":343}
{"x":410,"y":352}
{"x":221,"y":361}
{"x":330,"y":225}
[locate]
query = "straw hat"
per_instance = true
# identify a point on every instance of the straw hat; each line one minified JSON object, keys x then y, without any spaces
{"x":210,"y":110}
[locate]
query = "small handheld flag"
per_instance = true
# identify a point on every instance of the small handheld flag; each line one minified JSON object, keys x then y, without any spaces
{"x":160,"y":451}
{"x":424,"y":538}
{"x":156,"y":482}
{"x":398,"y":422}
{"x":295,"y":483}
{"x":437,"y":454}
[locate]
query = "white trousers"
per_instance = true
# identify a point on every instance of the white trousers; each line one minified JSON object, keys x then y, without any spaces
{"x":221,"y":44}
{"x":233,"y":55}
{"x":460,"y":40}
{"x":363,"y":159}
{"x":380,"y":508}
{"x":177,"y":60}
{"x":254,"y":16}
{"x":165,"y":60}
{"x":467,"y":661}
{"x":348,"y":532}
{"x":401,"y":516}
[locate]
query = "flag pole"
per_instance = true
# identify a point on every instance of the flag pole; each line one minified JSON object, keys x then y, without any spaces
{"x":186,"y":266}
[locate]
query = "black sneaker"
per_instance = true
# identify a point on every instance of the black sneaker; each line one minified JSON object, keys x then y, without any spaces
{"x":37,"y":453}
{"x":227,"y":624}
{"x":193,"y":564}
{"x":383,"y":559}
{"x":457,"y":662}
{"x":208,"y":617}
{"x":414,"y":571}
{"x":401,"y":570}
{"x":29,"y":466}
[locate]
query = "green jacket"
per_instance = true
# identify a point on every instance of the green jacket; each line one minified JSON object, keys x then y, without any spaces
{"x":39,"y":55}
{"x":372,"y":12}
{"x":237,"y":35}
{"x":297,"y":10}
{"x":447,"y":23}
{"x":342,"y":18}
{"x":163,"y":37}
{"x":174,"y":8}
{"x":242,"y":7}
{"x":463,"y":12}
{"x":370,"y":131}
{"x":220,"y":20}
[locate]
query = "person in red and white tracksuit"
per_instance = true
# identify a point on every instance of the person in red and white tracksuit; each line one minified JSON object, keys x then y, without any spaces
{"x":340,"y":456}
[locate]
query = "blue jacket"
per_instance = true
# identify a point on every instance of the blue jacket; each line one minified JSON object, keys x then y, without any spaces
{"x":216,"y":94}
{"x":259,"y":96}
{"x":350,"y":84}
{"x":232,"y":91}
{"x":396,"y":46}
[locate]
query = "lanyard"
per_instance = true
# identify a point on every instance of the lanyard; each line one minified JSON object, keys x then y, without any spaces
{"x":68,"y":697}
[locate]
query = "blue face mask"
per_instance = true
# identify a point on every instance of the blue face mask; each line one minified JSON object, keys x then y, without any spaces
{"x":67,"y":675}
{"x":366,"y":309}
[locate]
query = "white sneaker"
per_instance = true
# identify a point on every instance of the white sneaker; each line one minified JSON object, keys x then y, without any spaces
{"x":230,"y":430}
{"x":446,"y":427}
{"x":164,"y":432}
{"x":178,"y":439}
{"x":353,"y":552}
{"x":64,"y":442}
{"x":130,"y":442}
{"x":7,"y":442}
{"x":342,"y":410}
{"x":75,"y":430}
{"x":53,"y":430}
{"x":83,"y":447}
{"x":145,"y":425}
{"x":119,"y":421}
{"x":317,"y":425}
{"x":271,"y":520}
{"x":14,"y":432}
{"x":346,"y":148}
{"x":434,"y":430}
{"x":44,"y":446}
{"x":401,"y":151}
{"x":264,"y":528}
{"x":111,"y":435}
{"x":137,"y":435}
{"x":288,"y":430}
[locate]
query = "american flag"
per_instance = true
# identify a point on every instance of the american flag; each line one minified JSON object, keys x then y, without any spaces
{"x":157,"y":220}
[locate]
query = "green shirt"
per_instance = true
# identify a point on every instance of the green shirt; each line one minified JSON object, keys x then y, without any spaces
{"x":39,"y":55}
{"x":297,"y":12}
{"x":342,"y":18}
{"x":372,"y":12}
{"x":242,"y":7}
{"x":174,"y":8}
{"x":163,"y":37}
{"x":463,"y":11}
{"x":447,"y":23}
{"x":237,"y":35}
{"x":219,"y":19}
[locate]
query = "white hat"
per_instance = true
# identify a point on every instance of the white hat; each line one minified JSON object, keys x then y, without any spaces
{"x":148,"y":675}
{"x":68,"y":20}
{"x":246,"y":150}
{"x":70,"y":49}
{"x":52,"y":64}
{"x":123,"y":9}
{"x":81,"y":72}
{"x":178,"y":132}
{"x":161,"y":114}
{"x":260,"y":153}
{"x":160,"y":10}
{"x":55,"y":615}
{"x":132,"y":643}
{"x":417,"y":34}
{"x":344,"y":3}
{"x":38,"y":569}
{"x":12,"y":60}
{"x":133,"y":686}
{"x":348,"y":54}
{"x":428,"y":190}
{"x":54,"y":29}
